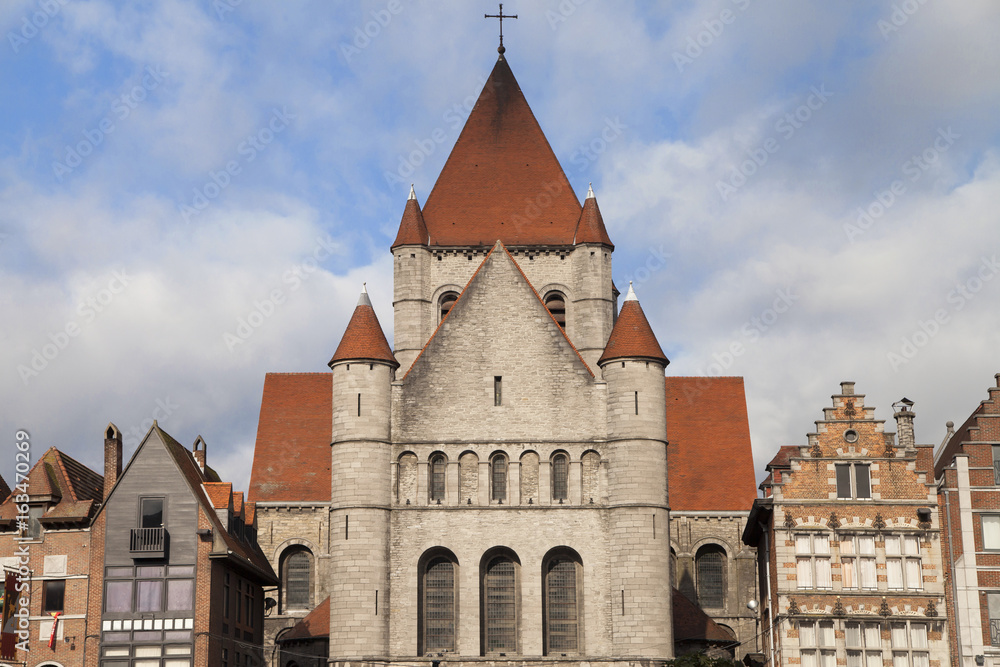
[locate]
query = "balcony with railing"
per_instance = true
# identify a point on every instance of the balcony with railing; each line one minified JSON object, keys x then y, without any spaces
{"x":148,"y":542}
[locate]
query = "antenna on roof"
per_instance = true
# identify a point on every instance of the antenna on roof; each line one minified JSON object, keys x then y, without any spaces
{"x":500,"y":16}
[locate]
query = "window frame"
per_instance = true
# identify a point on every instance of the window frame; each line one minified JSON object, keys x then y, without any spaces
{"x":429,"y":560}
{"x":853,"y":469}
{"x":995,"y":532}
{"x":553,"y":559}
{"x":48,"y":586}
{"x":865,"y":655}
{"x":560,"y":487}
{"x":904,"y":561}
{"x":553,"y":295}
{"x":993,"y":612}
{"x":510,"y":624}
{"x":856,"y":559}
{"x":286,"y":604}
{"x":705,"y":553}
{"x":814,"y":559}
{"x":824,"y":653}
{"x":909,"y":650}
{"x":140,"y":519}
{"x":437,"y":481}
{"x":499,"y":477}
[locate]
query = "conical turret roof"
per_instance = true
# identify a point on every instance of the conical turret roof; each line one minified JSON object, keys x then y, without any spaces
{"x":502,"y":180}
{"x":364,"y":340}
{"x":412,"y":230}
{"x":591,"y":227}
{"x":632,"y":336}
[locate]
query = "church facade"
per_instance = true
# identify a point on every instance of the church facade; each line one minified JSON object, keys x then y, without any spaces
{"x":496,"y":484}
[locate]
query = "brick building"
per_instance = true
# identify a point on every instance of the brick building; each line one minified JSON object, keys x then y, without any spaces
{"x":495,"y":483}
{"x":849,"y":545}
{"x":967,"y":468}
{"x":63,"y":497}
{"x":176,"y":574}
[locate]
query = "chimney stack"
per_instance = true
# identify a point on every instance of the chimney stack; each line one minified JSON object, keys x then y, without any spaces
{"x":904,"y":423}
{"x":198,"y":451}
{"x":112,"y":457}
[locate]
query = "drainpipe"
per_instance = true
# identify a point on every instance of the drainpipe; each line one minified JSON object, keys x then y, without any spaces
{"x":767,"y":582}
{"x":954,"y":585}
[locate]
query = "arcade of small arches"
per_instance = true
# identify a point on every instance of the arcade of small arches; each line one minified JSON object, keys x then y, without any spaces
{"x":499,"y":478}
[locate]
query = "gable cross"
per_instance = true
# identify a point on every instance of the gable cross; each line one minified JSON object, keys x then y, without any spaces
{"x":500,"y":16}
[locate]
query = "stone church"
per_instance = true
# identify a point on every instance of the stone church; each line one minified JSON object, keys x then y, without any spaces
{"x":499,"y":482}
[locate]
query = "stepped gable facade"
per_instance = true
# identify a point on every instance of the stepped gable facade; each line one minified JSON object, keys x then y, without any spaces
{"x":848,"y":538}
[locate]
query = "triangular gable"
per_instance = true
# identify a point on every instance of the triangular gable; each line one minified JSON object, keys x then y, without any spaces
{"x":499,"y":327}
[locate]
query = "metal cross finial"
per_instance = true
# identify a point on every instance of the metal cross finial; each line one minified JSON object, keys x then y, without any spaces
{"x":500,"y":16}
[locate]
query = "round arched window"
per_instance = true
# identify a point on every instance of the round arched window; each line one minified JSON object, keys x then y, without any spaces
{"x":446,"y":302}
{"x":556,"y":303}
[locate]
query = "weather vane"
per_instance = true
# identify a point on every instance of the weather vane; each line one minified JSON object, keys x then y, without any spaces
{"x":500,"y":16}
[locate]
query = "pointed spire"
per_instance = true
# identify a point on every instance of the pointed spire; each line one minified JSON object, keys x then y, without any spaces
{"x":502,"y":179}
{"x":632,"y":337}
{"x":364,"y":339}
{"x":590,"y":228}
{"x":631,"y":293}
{"x":412,"y":230}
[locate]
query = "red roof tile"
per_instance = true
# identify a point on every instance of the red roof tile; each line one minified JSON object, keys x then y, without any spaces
{"x":692,"y":624}
{"x":632,"y":336}
{"x":238,"y":503}
{"x":364,"y":339}
{"x":502,"y":180}
{"x":709,"y":453}
{"x":782,"y":458}
{"x":316,"y":624}
{"x":291,"y":461}
{"x":591,"y":227}
{"x":219,"y":493}
{"x":249,"y":513}
{"x":73,"y":487}
{"x":412,"y":230}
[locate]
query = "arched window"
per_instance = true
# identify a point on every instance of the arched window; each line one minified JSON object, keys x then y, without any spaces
{"x":500,"y":597}
{"x":561,"y":603}
{"x":445,"y":303}
{"x":437,"y":469}
{"x":710,"y":566}
{"x":498,"y":477}
{"x":296,"y":575}
{"x":560,"y":477}
{"x":556,"y":303}
{"x":438,"y":601}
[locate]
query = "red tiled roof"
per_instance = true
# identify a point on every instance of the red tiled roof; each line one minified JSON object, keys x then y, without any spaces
{"x":238,"y":503}
{"x":412,"y":230}
{"x":632,"y":336}
{"x":363,"y":339}
{"x":4,"y":489}
{"x":502,"y":180}
{"x":316,"y":624}
{"x":291,"y":461}
{"x":692,"y":624}
{"x":781,"y":459}
{"x":249,"y":513}
{"x":219,"y":493}
{"x":709,"y":453}
{"x":591,"y":227}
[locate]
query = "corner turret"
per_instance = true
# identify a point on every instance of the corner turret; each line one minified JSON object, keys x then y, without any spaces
{"x":411,"y":269}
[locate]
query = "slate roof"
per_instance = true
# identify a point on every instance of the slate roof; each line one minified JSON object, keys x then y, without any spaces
{"x":225,"y":545}
{"x":632,"y":337}
{"x":364,"y":339}
{"x":709,"y":453}
{"x":501,"y":180}
{"x":291,"y":461}
{"x":315,"y":625}
{"x":75,"y":489}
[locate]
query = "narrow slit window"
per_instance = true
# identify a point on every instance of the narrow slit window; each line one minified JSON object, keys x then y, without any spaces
{"x":497,"y":390}
{"x":437,"y":478}
{"x":560,"y":477}
{"x":359,"y":405}
{"x":636,"y":402}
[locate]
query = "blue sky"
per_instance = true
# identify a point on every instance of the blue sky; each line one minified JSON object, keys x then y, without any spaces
{"x":167,"y":168}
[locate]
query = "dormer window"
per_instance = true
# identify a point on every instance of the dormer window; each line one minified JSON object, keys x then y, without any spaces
{"x":446,"y":302}
{"x":34,"y":530}
{"x":556,"y":303}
